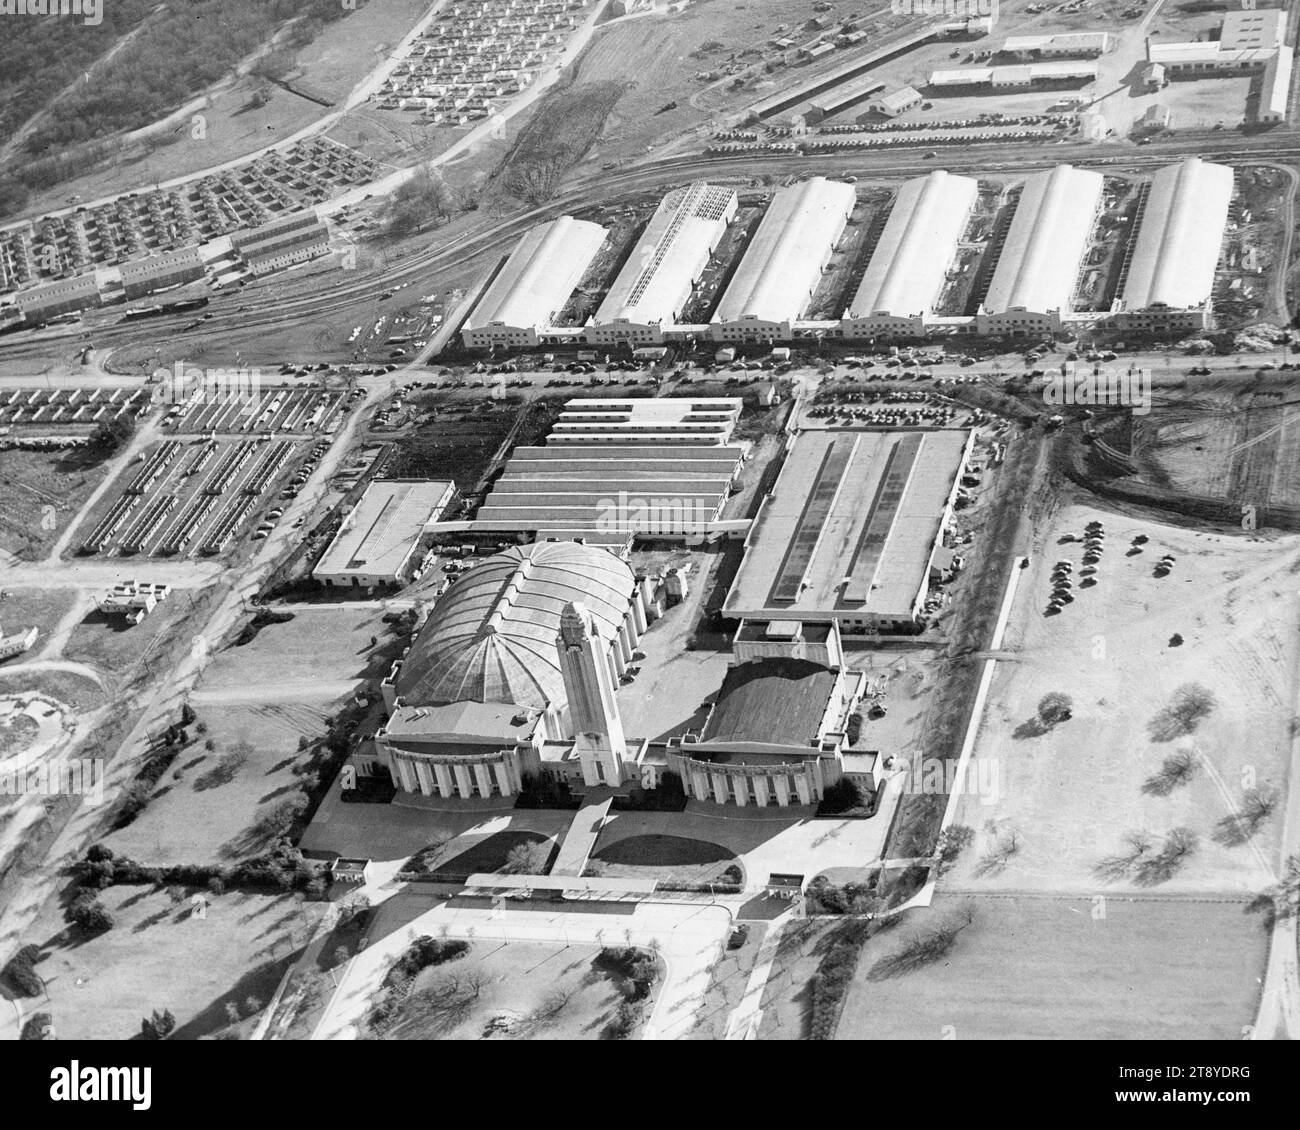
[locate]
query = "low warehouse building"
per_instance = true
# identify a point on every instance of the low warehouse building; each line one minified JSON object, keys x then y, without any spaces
{"x":141,"y":277}
{"x":849,"y":530}
{"x":377,"y":541}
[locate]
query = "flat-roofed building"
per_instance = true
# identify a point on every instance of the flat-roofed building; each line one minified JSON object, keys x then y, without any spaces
{"x":1275,"y":88}
{"x":1051,"y":72}
{"x":1171,"y":274}
{"x":1083,"y":43}
{"x":783,"y":264}
{"x":908,"y":268}
{"x":161,"y":272}
{"x":377,"y":541}
{"x":533,"y":285}
{"x":656,"y":281}
{"x":1249,"y":28}
{"x":1248,"y":40}
{"x":1034,"y":281}
{"x":849,"y":530}
{"x":41,"y":303}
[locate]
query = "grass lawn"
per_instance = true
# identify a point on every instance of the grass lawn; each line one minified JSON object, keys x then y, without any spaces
{"x":671,"y":858}
{"x":513,"y":981}
{"x":205,"y":801}
{"x":1043,"y":968}
{"x":461,"y":857}
{"x":162,"y":954}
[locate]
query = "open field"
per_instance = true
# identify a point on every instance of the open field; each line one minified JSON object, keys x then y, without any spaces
{"x":208,"y":799}
{"x":1065,"y":801}
{"x":518,"y":979}
{"x":41,"y":492}
{"x":1048,"y":968}
{"x":21,"y":609}
{"x":192,"y":957}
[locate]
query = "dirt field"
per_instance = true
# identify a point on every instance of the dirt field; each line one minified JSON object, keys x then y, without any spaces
{"x":40,"y":493}
{"x":193,"y":959}
{"x":1052,"y":968}
{"x":1066,"y":799}
{"x":518,"y":979}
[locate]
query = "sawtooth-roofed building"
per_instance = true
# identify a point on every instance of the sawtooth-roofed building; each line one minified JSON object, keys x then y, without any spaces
{"x":606,"y":496}
{"x":1034,"y":281}
{"x":1171,"y":275}
{"x":647,"y":420}
{"x":656,"y":281}
{"x":534,"y":284}
{"x":849,"y":531}
{"x":906,"y":274}
{"x":783,"y":264}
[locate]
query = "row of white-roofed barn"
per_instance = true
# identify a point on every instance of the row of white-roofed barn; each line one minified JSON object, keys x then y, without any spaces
{"x":1032,"y":267}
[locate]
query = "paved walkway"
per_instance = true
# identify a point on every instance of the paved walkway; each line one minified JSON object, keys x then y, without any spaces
{"x":744,"y":1022}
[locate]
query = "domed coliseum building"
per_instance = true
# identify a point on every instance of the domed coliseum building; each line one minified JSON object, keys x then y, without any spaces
{"x":491,"y":678}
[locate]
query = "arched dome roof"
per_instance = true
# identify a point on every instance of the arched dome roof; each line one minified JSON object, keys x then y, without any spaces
{"x":491,"y":637}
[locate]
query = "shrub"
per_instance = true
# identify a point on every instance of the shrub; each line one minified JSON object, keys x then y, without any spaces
{"x":626,"y":1018}
{"x":39,"y":1026}
{"x":87,"y":913}
{"x":20,"y":972}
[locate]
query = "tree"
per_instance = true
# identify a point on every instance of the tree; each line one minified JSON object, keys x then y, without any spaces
{"x":1190,"y":705}
{"x":422,"y":199}
{"x":925,"y":948}
{"x":527,"y":859}
{"x":158,"y":1026}
{"x":1282,"y":901}
{"x":89,"y":914}
{"x":952,"y":841}
{"x":1180,"y":845}
{"x":1177,"y":769}
{"x":1054,"y":707}
{"x":20,"y":972}
{"x":1257,"y":805}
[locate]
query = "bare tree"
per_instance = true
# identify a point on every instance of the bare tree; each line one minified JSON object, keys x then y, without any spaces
{"x":924,"y":949}
{"x":1257,"y":805}
{"x":548,"y":1012}
{"x":1176,"y":770}
{"x":1000,"y":854}
{"x":1137,"y":845}
{"x":1180,"y":845}
{"x":1191,"y":704}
